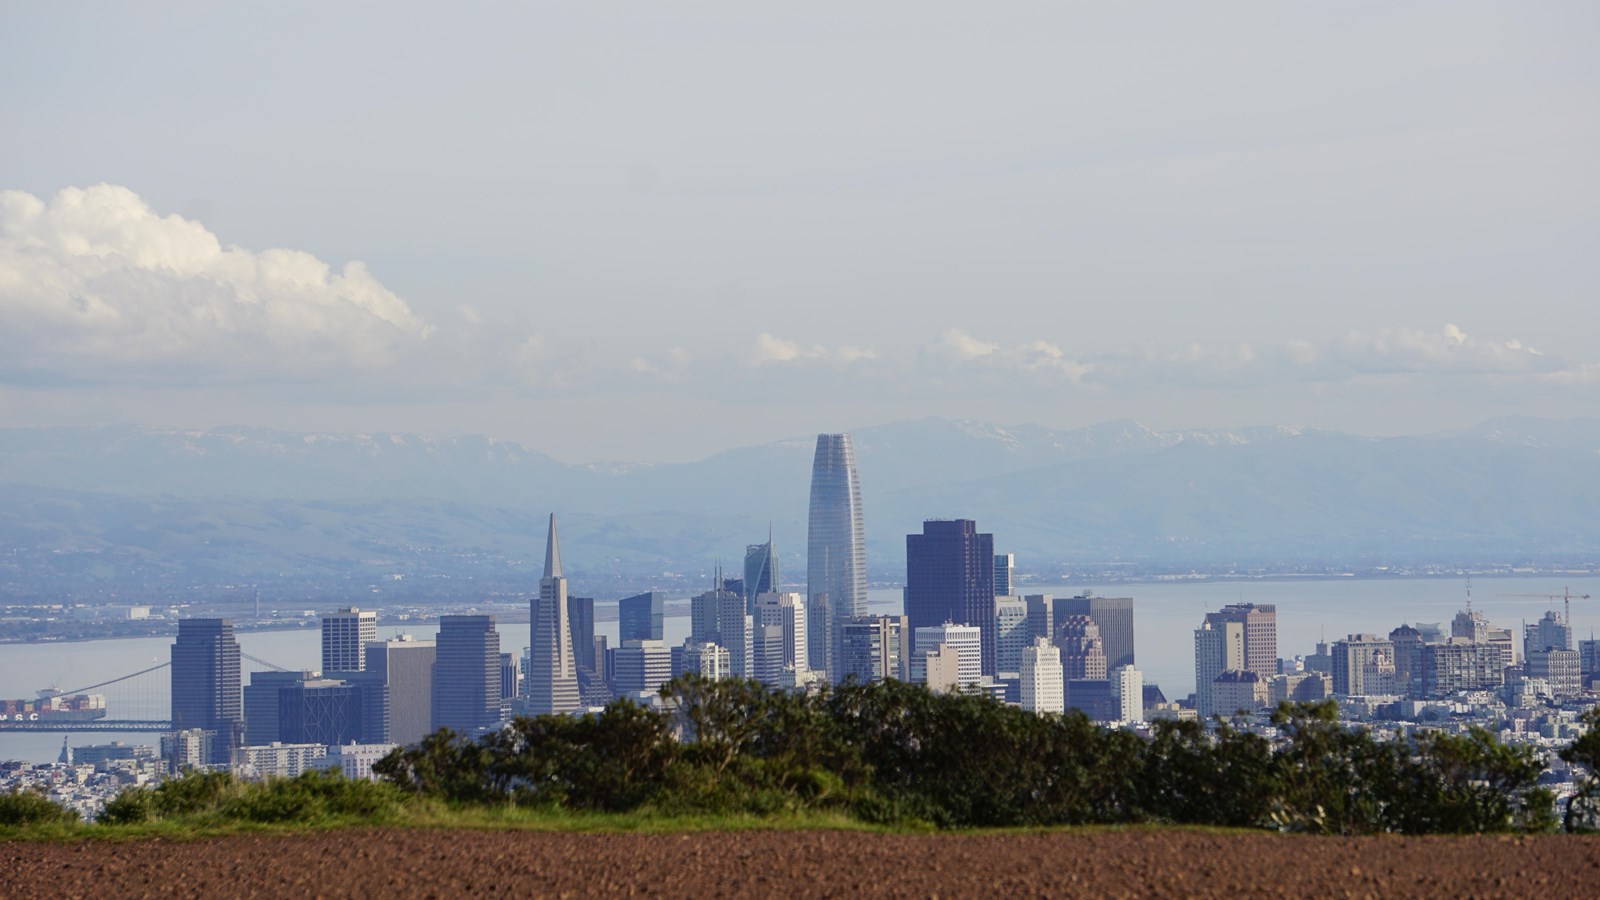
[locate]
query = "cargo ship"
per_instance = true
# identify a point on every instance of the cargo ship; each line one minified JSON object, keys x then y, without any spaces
{"x":54,"y":708}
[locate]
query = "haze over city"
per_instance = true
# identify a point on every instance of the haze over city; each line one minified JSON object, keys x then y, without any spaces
{"x":651,"y":235}
{"x":799,"y":449}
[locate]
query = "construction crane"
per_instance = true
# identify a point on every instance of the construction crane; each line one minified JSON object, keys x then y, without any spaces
{"x":1566,"y":597}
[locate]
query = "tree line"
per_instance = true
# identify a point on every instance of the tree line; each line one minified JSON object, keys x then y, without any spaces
{"x":895,"y":753}
{"x":892,"y":752}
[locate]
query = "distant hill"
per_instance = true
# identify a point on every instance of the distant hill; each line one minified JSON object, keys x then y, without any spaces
{"x":110,"y":502}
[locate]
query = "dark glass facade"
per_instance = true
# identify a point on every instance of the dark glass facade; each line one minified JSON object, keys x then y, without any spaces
{"x":639,"y":618}
{"x":206,"y":688}
{"x":950,"y":578}
{"x":466,"y":674}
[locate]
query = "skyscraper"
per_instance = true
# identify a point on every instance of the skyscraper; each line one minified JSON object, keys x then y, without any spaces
{"x":760,"y":569}
{"x":1011,"y":632}
{"x":1004,"y":565}
{"x":1127,"y":686}
{"x":965,"y":640}
{"x":1083,"y":656}
{"x":466,"y":674}
{"x":405,"y":666}
{"x":552,"y":671}
{"x":873,"y":648}
{"x":1549,"y":632}
{"x":1114,"y":617}
{"x":1042,"y":681}
{"x":640,"y":618}
{"x":950,"y":578}
{"x":1260,"y":631}
{"x":788,"y":613}
{"x":206,"y":689}
{"x":580,"y":623}
{"x":345,"y":635}
{"x":1363,"y":665}
{"x":641,"y":668}
{"x":836,"y":549}
{"x":1218,"y":648}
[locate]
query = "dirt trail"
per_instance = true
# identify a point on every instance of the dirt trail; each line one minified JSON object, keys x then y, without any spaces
{"x":417,"y":863}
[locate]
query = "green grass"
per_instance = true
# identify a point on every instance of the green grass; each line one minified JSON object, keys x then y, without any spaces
{"x":430,"y":815}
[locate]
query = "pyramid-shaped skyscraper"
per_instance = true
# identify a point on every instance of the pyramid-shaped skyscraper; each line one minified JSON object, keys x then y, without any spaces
{"x":552,"y":671}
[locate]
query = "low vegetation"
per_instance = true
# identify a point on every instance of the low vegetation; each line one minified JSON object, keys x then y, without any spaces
{"x":734,"y":754}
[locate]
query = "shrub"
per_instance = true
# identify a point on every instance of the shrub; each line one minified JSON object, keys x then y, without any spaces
{"x":311,"y":797}
{"x":29,"y":808}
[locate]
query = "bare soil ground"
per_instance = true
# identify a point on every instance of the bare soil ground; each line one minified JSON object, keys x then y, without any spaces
{"x":1137,"y":863}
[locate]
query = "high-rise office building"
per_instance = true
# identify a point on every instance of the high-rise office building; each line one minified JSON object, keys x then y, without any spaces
{"x":950,"y":578}
{"x":330,"y":711}
{"x":705,"y":614}
{"x":1041,"y":616}
{"x":1363,"y":665}
{"x":640,"y":617}
{"x":873,"y":648}
{"x":580,"y":621}
{"x":405,"y":666}
{"x":788,"y":613}
{"x":1010,"y":633}
{"x":1005,"y":565}
{"x":206,"y":690}
{"x":641,"y":667}
{"x":766,"y":655}
{"x":1112,"y":615}
{"x":735,"y":631}
{"x":466,"y":674}
{"x":1559,"y":668}
{"x":1589,"y":656}
{"x":552,"y":671}
{"x":1407,"y":643}
{"x":1460,"y":664}
{"x":965,"y":640}
{"x":1218,"y":648}
{"x":1043,"y":683}
{"x":1547,"y":633}
{"x":1127,"y":687}
{"x":1083,"y":656}
{"x":707,"y":661}
{"x":760,"y":569}
{"x":345,"y":635}
{"x":1260,"y":631}
{"x":719,"y":616}
{"x":836,"y":549}
{"x":263,"y":704}
{"x":1472,"y":625}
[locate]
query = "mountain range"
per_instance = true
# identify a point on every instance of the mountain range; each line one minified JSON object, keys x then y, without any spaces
{"x":235,"y":504}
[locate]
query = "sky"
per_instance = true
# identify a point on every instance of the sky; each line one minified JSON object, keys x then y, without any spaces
{"x":650,"y":232}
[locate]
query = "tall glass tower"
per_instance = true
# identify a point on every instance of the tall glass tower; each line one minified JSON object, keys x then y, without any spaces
{"x":206,"y":692}
{"x":760,"y":571}
{"x":836,"y":552}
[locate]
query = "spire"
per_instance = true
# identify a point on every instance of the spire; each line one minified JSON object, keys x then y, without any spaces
{"x":552,"y":552}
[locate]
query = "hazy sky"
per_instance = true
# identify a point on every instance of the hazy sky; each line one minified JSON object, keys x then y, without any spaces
{"x":651,"y":231}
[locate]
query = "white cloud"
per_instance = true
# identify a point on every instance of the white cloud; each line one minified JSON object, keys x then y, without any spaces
{"x":1448,"y":350}
{"x":1395,"y":352}
{"x":770,"y":350}
{"x":96,"y":284}
{"x":955,"y":347}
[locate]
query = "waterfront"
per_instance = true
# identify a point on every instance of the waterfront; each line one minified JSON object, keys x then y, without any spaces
{"x":1165,"y":615}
